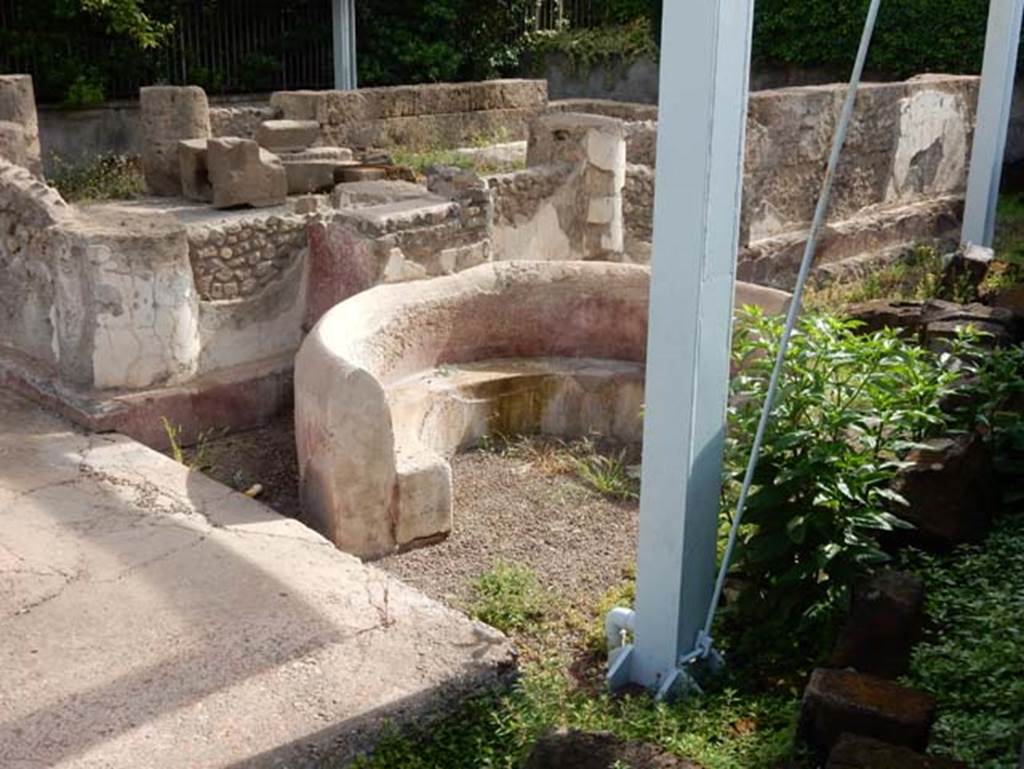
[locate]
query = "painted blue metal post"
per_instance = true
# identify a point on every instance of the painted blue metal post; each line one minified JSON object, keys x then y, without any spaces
{"x":994,"y":103}
{"x":705,"y":60}
{"x":343,"y":14}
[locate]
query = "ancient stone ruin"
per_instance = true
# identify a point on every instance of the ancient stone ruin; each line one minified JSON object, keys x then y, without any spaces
{"x":192,"y":303}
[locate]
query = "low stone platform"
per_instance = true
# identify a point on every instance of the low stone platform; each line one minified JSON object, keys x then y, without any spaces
{"x":154,"y":618}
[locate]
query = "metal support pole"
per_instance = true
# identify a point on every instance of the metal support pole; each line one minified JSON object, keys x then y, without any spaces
{"x":994,"y":103}
{"x":343,"y":14}
{"x":705,"y":61}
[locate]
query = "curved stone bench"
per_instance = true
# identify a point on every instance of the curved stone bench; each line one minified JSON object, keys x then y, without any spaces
{"x":395,"y":380}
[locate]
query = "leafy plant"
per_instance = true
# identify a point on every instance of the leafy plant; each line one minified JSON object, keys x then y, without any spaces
{"x":848,"y":408}
{"x":508,"y":597}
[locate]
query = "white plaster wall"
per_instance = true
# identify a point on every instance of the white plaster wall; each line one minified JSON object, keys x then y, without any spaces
{"x":930,"y":122}
{"x":147,"y":322}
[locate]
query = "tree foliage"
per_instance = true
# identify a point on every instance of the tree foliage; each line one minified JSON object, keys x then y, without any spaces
{"x":416,"y":41}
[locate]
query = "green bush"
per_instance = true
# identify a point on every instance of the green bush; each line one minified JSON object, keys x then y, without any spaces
{"x":849,"y":406}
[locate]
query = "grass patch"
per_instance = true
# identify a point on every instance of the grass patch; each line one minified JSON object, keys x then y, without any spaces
{"x":973,"y":659}
{"x":421,"y":159}
{"x":916,"y":276}
{"x":508,"y":597}
{"x":724,"y":730}
{"x":107,"y":177}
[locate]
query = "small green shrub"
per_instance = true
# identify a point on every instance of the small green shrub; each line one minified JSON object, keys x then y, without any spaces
{"x":849,"y":406}
{"x":508,"y":597}
{"x":108,"y":177}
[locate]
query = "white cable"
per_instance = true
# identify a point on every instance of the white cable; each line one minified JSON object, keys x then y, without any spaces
{"x":820,"y":212}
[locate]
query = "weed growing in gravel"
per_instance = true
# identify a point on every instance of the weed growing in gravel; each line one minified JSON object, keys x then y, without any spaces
{"x":601,"y":468}
{"x":609,"y":475}
{"x":177,"y":451}
{"x":973,"y":660}
{"x":508,"y":597}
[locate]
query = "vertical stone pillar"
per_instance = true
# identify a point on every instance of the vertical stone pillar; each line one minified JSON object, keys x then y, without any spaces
{"x":18,"y":106}
{"x":596,"y":146}
{"x":169,"y":115}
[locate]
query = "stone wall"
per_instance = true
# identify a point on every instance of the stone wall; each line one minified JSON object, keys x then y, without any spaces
{"x":98,"y":300}
{"x":29,"y":254}
{"x":901,"y":178}
{"x":446,"y":114}
{"x":568,"y":203}
{"x":239,"y":120}
{"x":237,"y":259}
{"x":19,"y":123}
{"x":638,"y":212}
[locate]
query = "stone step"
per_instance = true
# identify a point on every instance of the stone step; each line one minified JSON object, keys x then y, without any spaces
{"x":840,"y":701}
{"x":287,"y":135}
{"x":885,"y":621}
{"x":857,"y":752}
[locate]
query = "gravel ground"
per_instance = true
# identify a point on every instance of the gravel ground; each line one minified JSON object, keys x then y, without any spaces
{"x":507,"y":509}
{"x":511,"y":506}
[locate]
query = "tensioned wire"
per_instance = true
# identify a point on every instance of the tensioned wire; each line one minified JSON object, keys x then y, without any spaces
{"x":820,"y":213}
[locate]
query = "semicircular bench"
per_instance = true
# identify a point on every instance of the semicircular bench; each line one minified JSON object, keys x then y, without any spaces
{"x":392,"y":382}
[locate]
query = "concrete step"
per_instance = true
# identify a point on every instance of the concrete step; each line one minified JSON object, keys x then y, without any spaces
{"x":155,"y":618}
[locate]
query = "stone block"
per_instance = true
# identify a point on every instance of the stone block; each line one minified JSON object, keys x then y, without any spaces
{"x":936,"y":320}
{"x":308,"y":176}
{"x":571,"y":749}
{"x":18,"y":105}
{"x":857,"y":752}
{"x":195,"y":175}
{"x":295,"y":105}
{"x":885,"y":620}
{"x":169,"y":114}
{"x":287,"y":135}
{"x":361,"y":173}
{"x":243,"y":173}
{"x":951,"y":492}
{"x":337,"y":154}
{"x":840,"y":701}
{"x":13,"y":144}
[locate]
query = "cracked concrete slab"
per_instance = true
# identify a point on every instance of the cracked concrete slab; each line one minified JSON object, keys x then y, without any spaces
{"x":151,"y":617}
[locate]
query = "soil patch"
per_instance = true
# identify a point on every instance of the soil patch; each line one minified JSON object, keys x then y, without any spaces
{"x":510,"y":506}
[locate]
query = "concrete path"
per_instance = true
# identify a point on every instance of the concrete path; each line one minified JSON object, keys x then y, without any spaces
{"x":151,"y":617}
